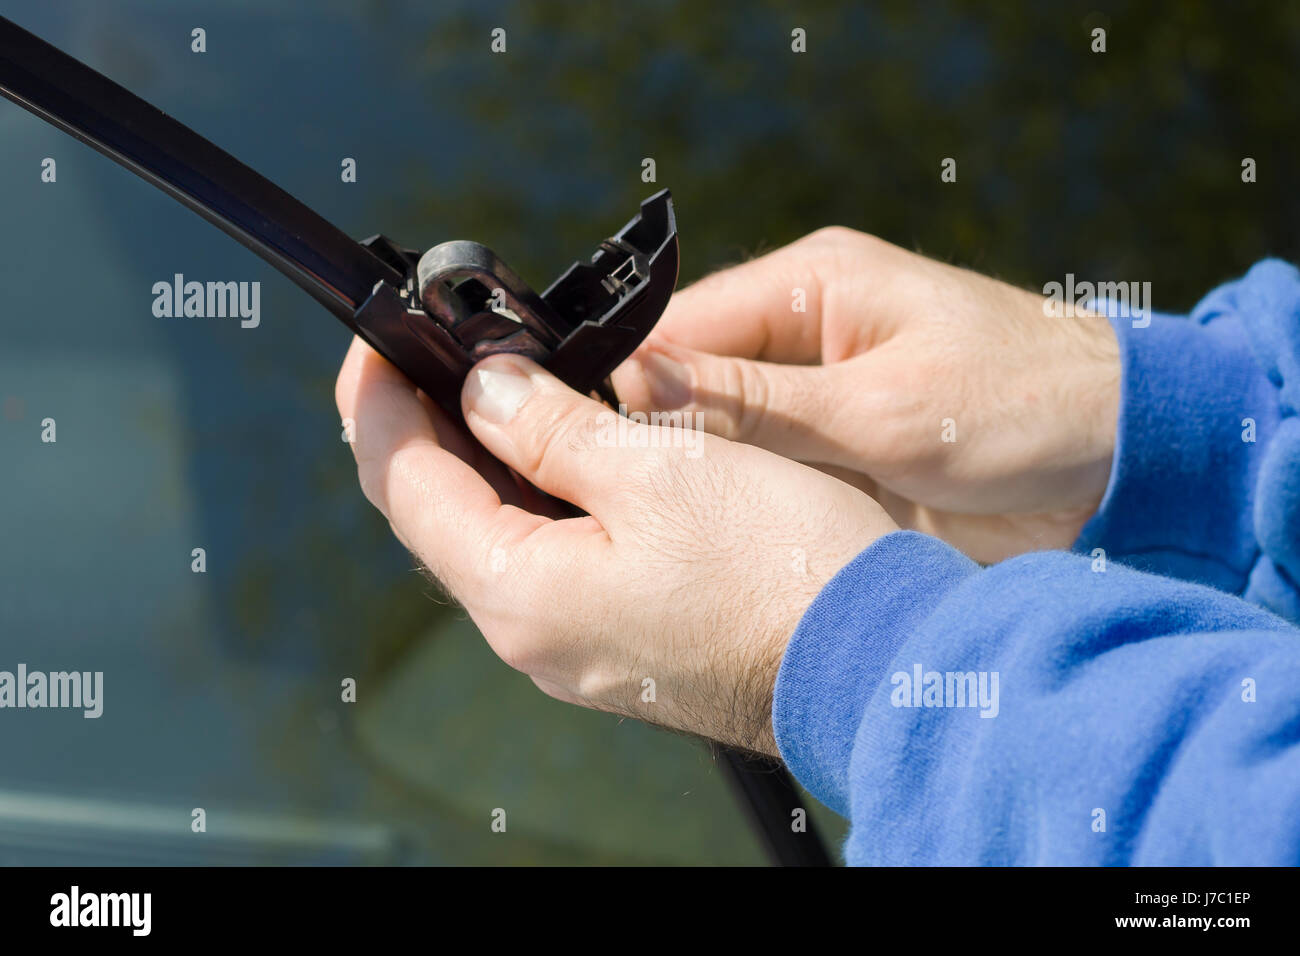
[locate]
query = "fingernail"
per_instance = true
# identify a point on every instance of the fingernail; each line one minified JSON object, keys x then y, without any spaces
{"x":669,"y":380}
{"x":495,"y":394}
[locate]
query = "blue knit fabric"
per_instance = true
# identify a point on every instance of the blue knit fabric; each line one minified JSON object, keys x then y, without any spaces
{"x":1089,"y":708}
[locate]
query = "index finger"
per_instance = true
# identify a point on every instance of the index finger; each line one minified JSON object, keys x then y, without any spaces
{"x":766,"y":309}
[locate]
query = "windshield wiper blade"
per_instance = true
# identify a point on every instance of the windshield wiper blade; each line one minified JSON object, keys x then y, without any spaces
{"x":336,"y":270}
{"x":432,"y":316}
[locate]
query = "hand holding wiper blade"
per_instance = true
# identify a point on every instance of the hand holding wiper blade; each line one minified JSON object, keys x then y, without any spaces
{"x":432,"y":315}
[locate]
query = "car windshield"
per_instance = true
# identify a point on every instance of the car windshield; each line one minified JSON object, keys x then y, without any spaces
{"x":196,"y":532}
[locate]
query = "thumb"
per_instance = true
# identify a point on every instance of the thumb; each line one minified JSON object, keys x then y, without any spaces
{"x":797,"y":411}
{"x":544,"y":430}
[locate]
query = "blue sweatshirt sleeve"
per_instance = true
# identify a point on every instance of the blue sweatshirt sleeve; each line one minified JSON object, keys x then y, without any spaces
{"x":1205,"y":483}
{"x":1051,"y":709}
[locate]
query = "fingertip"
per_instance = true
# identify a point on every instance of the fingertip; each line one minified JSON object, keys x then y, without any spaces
{"x":345,"y":385}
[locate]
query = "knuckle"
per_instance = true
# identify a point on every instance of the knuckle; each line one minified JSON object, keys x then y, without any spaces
{"x":515,"y":649}
{"x":519,"y":626}
{"x":561,"y":430}
{"x":754,"y":388}
{"x":845,"y":246}
{"x":512,"y":632}
{"x":833,"y":236}
{"x":728,"y":394}
{"x":515,"y":578}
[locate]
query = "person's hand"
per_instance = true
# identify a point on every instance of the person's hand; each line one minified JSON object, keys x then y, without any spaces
{"x":672,"y":600}
{"x":894,"y":354}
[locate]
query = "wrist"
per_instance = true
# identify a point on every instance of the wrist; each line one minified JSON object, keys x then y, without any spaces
{"x":1096,"y":395}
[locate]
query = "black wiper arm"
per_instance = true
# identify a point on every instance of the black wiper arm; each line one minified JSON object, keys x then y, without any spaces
{"x":432,"y":315}
{"x":335,"y":269}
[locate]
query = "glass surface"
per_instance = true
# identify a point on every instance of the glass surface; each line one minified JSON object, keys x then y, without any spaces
{"x":222,"y":688}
